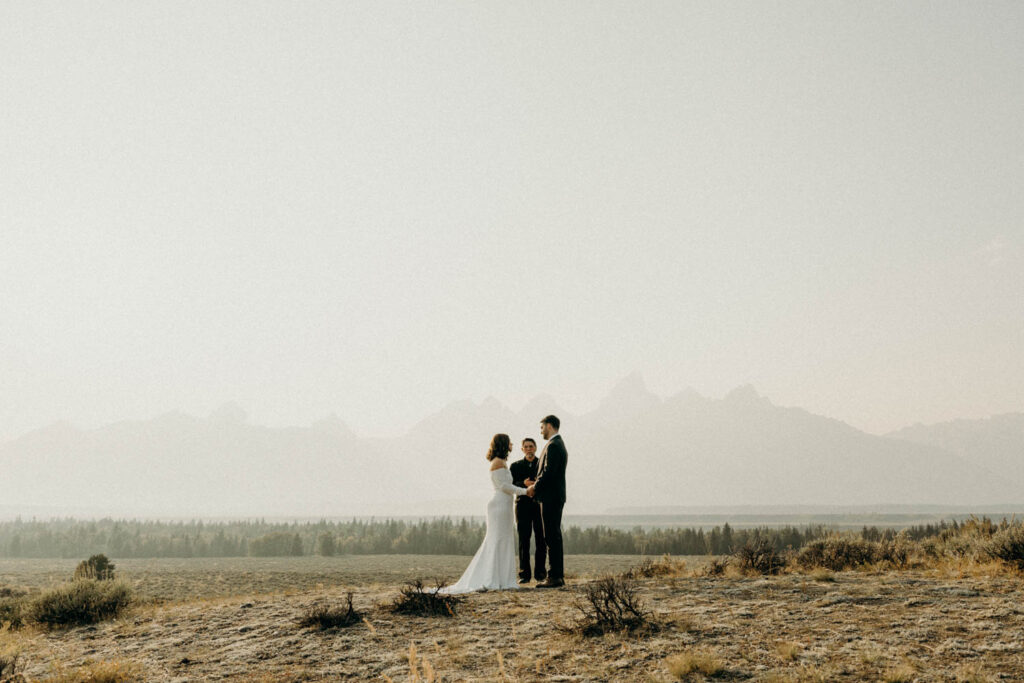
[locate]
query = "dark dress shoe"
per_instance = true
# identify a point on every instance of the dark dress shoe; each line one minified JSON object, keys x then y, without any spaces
{"x":523,"y":582}
{"x":551,"y":583}
{"x":541,"y":577}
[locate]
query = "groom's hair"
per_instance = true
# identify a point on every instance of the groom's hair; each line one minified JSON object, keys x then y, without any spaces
{"x":553,"y":421}
{"x":530,"y":440}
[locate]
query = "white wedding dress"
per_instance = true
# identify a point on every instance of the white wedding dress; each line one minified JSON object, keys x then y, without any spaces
{"x":494,"y":565}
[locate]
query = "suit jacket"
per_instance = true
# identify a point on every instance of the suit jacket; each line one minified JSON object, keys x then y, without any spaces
{"x":550,"y":486}
{"x":522,"y":470}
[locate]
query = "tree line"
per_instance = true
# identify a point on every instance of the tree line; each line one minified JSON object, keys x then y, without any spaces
{"x":71,"y":538}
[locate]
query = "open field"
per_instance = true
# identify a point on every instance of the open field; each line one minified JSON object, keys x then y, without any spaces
{"x":175,"y":580}
{"x":237,"y":620}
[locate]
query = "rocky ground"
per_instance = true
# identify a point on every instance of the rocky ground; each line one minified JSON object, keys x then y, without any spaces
{"x":850,"y":626}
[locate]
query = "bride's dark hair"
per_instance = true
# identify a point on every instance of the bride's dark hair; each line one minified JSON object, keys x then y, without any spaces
{"x":500,"y":446}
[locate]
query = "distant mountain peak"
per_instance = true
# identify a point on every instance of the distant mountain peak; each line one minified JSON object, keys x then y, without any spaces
{"x":689,"y":393}
{"x":54,"y":430}
{"x":633,"y":383}
{"x":627,"y":399}
{"x":541,"y":406}
{"x":631,"y":390}
{"x":333,"y":424}
{"x":230,"y":413}
{"x":491,"y":403}
{"x":746,"y":394}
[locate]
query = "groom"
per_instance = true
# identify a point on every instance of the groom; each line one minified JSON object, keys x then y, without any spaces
{"x":549,"y":489}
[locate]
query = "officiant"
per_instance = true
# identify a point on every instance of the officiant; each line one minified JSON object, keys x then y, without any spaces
{"x":528,"y":519}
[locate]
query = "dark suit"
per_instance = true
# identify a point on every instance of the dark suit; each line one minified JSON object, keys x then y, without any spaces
{"x":528,"y":521}
{"x":550,"y":491}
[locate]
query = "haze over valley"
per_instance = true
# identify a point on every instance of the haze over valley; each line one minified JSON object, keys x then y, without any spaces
{"x":635,"y":450}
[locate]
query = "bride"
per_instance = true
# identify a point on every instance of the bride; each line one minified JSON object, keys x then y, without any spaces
{"x":494,"y":565}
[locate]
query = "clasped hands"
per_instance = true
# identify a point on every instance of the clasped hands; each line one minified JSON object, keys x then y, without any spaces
{"x":530,"y":488}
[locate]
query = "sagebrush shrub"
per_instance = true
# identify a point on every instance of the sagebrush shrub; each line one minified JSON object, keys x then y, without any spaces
{"x":1008,"y":545}
{"x":664,"y":566}
{"x":716,"y":567}
{"x":966,"y":541}
{"x":759,"y":555}
{"x":11,"y":613}
{"x":838,"y":553}
{"x":9,"y":665}
{"x":610,"y":605}
{"x":322,"y":616}
{"x":416,"y":599}
{"x":96,"y":567}
{"x":900,"y":552}
{"x":86,"y":601}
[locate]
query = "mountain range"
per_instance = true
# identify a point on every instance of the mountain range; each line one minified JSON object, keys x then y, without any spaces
{"x":635,"y":450}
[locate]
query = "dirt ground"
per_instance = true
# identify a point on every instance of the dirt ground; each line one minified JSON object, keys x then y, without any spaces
{"x":849,"y":626}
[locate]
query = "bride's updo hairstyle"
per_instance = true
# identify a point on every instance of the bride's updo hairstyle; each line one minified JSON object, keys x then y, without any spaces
{"x":501,"y":445}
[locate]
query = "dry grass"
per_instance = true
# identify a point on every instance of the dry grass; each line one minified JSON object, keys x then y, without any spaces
{"x":803,"y":674}
{"x":664,"y":567}
{"x":973,"y":673}
{"x":420,"y":669}
{"x":901,"y":673}
{"x":683,"y":666}
{"x":185,"y":580}
{"x":758,"y":628}
{"x":823,"y":575}
{"x":9,"y":657}
{"x":788,"y":651}
{"x":871,"y":656}
{"x":97,"y":672}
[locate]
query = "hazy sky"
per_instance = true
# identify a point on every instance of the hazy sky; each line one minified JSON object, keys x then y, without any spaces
{"x":375,"y":208}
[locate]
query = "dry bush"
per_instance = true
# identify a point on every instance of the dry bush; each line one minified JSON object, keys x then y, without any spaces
{"x":96,"y":567}
{"x":969,"y":541}
{"x":98,"y":672}
{"x":416,"y":599}
{"x":80,"y":602}
{"x":12,"y":610}
{"x":1007,"y":545}
{"x":759,"y":556}
{"x":953,"y":547}
{"x":9,"y":660}
{"x":322,"y":616}
{"x":837,"y":553}
{"x":665,"y":566}
{"x":609,"y":605}
{"x":900,"y":552}
{"x":716,"y":566}
{"x":695,"y":662}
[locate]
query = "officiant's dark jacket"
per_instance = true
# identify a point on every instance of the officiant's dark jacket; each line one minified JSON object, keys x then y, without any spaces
{"x":521,"y":470}
{"x":550,"y":486}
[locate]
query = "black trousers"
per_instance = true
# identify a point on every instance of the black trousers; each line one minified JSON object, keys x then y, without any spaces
{"x":528,"y":522}
{"x":551,"y":515}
